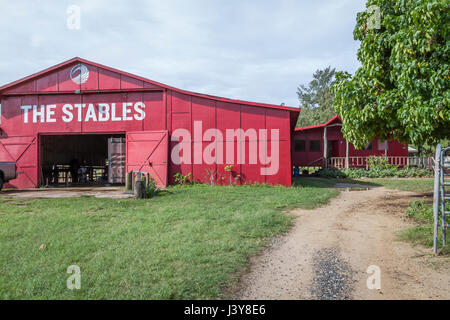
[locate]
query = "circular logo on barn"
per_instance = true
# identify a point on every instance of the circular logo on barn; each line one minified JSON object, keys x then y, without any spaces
{"x":79,"y":74}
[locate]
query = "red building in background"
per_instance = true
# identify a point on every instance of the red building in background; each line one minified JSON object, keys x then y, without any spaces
{"x":324,"y":145}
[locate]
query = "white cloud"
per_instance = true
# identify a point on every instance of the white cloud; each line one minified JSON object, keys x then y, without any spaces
{"x":253,"y":50}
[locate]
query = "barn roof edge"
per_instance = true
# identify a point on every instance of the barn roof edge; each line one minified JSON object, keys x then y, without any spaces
{"x":336,"y":117}
{"x":202,"y":95}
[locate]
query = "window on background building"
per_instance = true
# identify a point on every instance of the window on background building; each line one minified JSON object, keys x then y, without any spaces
{"x":299,"y":145}
{"x":368,"y":146}
{"x":381,"y":145}
{"x":314,"y":145}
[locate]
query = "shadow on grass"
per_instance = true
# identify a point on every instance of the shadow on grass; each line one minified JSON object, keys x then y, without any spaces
{"x":316,"y":182}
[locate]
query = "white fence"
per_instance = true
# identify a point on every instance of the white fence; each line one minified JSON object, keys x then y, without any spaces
{"x":362,"y":162}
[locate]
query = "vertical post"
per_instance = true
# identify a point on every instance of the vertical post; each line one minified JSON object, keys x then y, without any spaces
{"x":442,"y":191}
{"x":129,"y":180}
{"x":346,"y":155}
{"x":325,"y":148}
{"x":386,"y":150}
{"x":139,"y":186}
{"x":437,"y":177}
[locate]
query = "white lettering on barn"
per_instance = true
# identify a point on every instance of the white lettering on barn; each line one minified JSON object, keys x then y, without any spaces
{"x":93,"y":112}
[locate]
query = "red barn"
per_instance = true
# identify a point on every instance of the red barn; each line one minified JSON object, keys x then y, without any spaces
{"x":80,"y":114}
{"x":324,"y":145}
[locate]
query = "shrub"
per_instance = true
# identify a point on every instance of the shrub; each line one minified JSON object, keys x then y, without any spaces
{"x":229,"y":169}
{"x":421,"y":211}
{"x":332,"y":173}
{"x":182,"y":179}
{"x":376,"y":171}
{"x":379,"y":163}
{"x":152,"y":189}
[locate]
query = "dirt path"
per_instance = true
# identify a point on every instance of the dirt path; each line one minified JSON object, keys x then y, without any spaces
{"x":69,"y":192}
{"x":327,"y":252}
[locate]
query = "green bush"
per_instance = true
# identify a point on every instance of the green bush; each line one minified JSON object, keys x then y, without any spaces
{"x":420,"y":211}
{"x":333,"y":173}
{"x":182,"y":179}
{"x":378,"y":167}
{"x":376,"y":172}
{"x":152,"y":189}
{"x":308,"y":170}
{"x":379,"y":163}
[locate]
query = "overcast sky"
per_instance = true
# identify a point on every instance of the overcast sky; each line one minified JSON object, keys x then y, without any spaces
{"x":250,"y":50}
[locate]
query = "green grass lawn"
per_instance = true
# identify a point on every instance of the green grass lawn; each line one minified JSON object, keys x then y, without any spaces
{"x":190,"y":242}
{"x":403,"y":184}
{"x":408,"y":184}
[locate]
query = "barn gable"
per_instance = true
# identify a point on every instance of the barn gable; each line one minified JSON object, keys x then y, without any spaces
{"x":77,"y":75}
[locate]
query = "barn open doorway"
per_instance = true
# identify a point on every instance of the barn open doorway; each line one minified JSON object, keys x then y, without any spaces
{"x":82,"y":159}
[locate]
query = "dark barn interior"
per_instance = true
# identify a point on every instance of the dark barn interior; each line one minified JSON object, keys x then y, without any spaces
{"x":77,"y":159}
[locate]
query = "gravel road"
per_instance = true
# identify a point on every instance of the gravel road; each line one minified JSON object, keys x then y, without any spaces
{"x":332,"y":276}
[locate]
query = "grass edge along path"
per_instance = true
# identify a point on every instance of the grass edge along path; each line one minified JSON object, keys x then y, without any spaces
{"x":421,"y":213}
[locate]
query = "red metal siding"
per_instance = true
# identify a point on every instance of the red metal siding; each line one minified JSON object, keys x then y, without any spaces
{"x":49,"y":83}
{"x":226,"y":116}
{"x":156,"y":109}
{"x":108,"y":80}
{"x":130,"y":83}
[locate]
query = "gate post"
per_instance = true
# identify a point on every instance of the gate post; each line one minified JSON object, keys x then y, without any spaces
{"x":437,"y":177}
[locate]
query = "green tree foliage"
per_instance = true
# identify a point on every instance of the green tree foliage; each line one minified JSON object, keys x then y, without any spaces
{"x":401,"y":91}
{"x":316,"y":100}
{"x":429,"y":150}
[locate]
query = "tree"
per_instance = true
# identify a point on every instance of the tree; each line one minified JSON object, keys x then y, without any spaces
{"x":401,"y":90}
{"x":316,"y":100}
{"x":429,"y":150}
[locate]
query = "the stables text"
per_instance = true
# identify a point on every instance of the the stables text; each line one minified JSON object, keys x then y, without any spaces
{"x":125,"y":111}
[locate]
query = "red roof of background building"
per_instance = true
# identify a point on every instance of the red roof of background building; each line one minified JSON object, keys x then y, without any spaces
{"x":336,"y":117}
